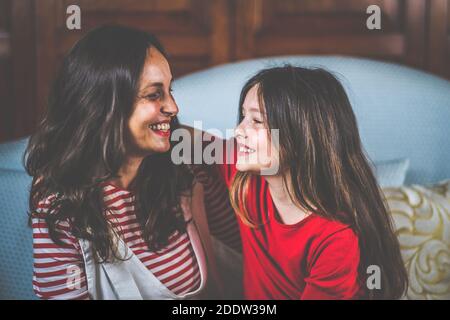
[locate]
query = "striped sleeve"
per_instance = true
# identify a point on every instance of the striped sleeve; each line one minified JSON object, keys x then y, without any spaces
{"x":58,"y":270}
{"x":221,"y":218}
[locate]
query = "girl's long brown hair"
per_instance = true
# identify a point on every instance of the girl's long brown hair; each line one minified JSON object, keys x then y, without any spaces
{"x":320,"y":149}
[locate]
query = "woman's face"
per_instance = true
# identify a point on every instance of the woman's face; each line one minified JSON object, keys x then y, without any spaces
{"x":149,"y":123}
{"x":255,"y":149}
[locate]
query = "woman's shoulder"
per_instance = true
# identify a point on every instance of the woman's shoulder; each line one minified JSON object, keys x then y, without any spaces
{"x":46,"y":202}
{"x":45,"y":208}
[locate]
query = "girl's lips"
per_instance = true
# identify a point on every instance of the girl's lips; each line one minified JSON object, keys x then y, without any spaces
{"x":244,"y":150}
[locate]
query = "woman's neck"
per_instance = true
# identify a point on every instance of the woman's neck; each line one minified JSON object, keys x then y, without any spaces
{"x":127,"y":173}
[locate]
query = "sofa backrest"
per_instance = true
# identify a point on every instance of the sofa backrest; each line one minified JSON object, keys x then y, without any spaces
{"x":16,"y":262}
{"x":11,"y":154}
{"x":401,"y":112}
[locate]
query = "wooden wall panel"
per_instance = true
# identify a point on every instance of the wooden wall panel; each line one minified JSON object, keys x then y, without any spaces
{"x":189,"y":29}
{"x":194,"y":32}
{"x":270,"y":27}
{"x":201,"y":33}
{"x":438,"y":38}
{"x":6,"y":106}
{"x":448,"y":41}
{"x":447,"y":69}
{"x":5,"y":72}
{"x":23,"y":46}
{"x":17,"y":69}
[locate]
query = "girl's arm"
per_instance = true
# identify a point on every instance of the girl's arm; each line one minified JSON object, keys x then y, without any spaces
{"x":58,"y":270}
{"x":333,"y":268}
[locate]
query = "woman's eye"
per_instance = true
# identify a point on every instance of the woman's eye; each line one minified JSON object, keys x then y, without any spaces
{"x":153,"y":96}
{"x":256,"y":121}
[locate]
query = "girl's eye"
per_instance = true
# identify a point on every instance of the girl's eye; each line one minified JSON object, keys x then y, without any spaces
{"x":256,"y":121}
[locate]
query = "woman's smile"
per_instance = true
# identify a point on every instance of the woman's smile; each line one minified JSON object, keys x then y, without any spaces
{"x":161,"y":128}
{"x":151,"y":122}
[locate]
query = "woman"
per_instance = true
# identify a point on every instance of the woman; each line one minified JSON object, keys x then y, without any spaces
{"x":312,"y":228}
{"x":112,"y":217}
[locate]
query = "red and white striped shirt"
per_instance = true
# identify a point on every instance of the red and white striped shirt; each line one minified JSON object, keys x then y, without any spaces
{"x":175,"y":265}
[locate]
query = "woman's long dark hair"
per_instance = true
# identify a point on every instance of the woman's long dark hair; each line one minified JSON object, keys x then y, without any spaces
{"x":320,"y":148}
{"x":81,"y":143}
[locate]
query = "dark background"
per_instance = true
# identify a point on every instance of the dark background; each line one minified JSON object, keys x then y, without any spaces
{"x":201,"y":33}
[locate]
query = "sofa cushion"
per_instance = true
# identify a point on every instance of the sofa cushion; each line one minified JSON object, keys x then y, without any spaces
{"x":11,"y":154}
{"x":16,"y":252}
{"x":401,"y":112}
{"x":422,"y":221}
{"x":391,"y":173}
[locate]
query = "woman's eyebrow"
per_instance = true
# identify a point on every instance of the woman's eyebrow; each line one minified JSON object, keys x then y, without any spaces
{"x":155,"y":84}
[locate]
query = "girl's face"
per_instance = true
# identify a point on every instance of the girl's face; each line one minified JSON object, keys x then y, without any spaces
{"x":255,"y":149}
{"x":149,"y":123}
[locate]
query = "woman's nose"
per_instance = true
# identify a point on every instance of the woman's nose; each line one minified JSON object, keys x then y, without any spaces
{"x":170,"y":108}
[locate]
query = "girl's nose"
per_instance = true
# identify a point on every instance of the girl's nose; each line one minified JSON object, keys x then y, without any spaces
{"x":239,"y":131}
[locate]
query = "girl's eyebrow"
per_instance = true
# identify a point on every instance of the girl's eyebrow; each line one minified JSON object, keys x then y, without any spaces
{"x":254,"y":109}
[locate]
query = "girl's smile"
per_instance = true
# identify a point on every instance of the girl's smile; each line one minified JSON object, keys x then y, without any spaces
{"x":244,"y":150}
{"x":254,"y":149}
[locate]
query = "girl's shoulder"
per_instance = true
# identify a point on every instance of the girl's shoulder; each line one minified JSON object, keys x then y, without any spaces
{"x":332,"y":230}
{"x":334,"y":244}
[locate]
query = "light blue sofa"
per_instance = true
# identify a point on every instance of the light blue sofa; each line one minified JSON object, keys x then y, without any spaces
{"x":402,"y":113}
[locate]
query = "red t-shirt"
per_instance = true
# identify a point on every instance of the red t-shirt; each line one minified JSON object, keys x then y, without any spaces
{"x":314,"y":259}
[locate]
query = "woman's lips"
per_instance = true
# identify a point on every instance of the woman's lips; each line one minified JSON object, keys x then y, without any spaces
{"x":161,"y":128}
{"x":162,"y":133}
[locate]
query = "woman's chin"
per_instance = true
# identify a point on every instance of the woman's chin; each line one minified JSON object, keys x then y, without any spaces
{"x":157,"y":148}
{"x":162,"y":149}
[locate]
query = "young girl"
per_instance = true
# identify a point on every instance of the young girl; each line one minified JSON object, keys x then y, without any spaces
{"x":311,"y":229}
{"x":112,"y":216}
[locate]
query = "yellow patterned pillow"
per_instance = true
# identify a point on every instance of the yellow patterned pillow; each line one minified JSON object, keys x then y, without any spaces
{"x":422,"y":221}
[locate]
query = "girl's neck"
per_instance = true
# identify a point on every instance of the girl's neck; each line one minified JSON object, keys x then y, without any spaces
{"x":278,"y":189}
{"x":288,"y":212}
